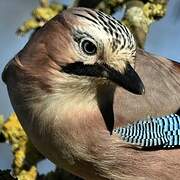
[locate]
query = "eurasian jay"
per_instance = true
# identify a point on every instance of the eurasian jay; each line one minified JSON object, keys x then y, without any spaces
{"x":79,"y":87}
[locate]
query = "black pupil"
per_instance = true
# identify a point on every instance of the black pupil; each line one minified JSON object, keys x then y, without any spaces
{"x":88,"y":47}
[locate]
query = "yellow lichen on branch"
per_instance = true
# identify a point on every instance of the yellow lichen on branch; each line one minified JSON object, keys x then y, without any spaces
{"x":1,"y":120}
{"x":139,"y":16}
{"x":154,"y":11}
{"x":25,"y":155}
{"x":40,"y":16}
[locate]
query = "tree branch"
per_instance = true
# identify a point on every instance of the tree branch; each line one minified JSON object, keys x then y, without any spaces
{"x":140,"y":15}
{"x":86,"y":3}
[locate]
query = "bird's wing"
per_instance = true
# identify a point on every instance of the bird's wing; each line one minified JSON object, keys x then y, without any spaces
{"x":161,"y":131}
{"x":161,"y":78}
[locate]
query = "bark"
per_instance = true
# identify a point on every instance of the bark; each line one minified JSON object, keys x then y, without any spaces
{"x":6,"y":175}
{"x":87,"y":3}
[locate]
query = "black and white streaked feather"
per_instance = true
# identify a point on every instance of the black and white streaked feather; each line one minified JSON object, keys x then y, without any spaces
{"x":152,"y":132}
{"x":119,"y":35}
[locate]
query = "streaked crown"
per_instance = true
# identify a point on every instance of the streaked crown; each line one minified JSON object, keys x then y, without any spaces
{"x":119,"y":36}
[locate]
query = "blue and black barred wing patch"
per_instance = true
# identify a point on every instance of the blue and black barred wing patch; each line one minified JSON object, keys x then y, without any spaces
{"x":152,"y":132}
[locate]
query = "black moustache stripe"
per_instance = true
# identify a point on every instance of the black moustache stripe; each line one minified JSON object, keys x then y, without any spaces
{"x":128,"y":80}
{"x":80,"y":69}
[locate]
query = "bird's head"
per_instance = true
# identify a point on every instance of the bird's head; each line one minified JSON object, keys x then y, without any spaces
{"x":82,"y":44}
{"x":102,"y":48}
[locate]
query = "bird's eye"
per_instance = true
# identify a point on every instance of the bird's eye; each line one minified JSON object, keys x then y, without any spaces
{"x":88,"y":47}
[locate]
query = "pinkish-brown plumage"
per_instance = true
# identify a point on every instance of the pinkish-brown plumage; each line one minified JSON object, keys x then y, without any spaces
{"x":69,"y":118}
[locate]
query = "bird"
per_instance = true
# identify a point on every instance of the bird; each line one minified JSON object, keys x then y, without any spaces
{"x":80,"y":82}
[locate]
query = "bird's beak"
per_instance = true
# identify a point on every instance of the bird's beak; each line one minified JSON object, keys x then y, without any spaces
{"x":129,"y":79}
